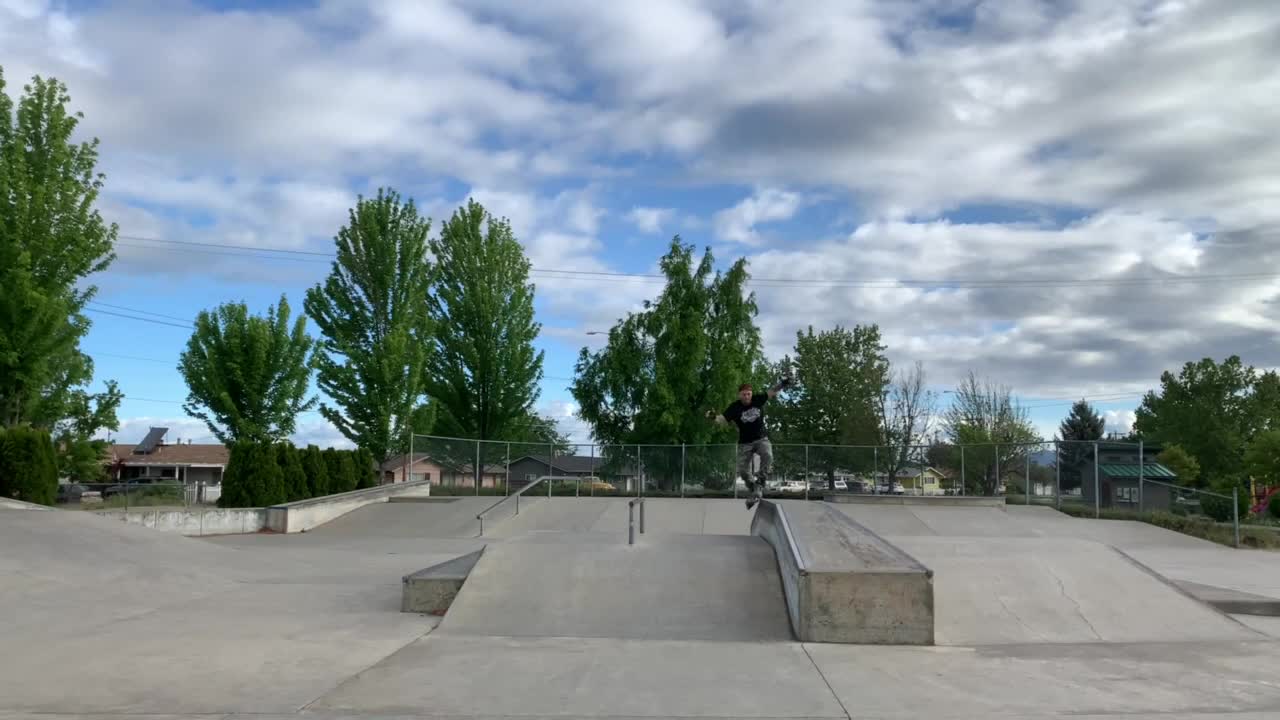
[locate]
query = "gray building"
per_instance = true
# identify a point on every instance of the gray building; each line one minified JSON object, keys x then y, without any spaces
{"x":1127,"y":480}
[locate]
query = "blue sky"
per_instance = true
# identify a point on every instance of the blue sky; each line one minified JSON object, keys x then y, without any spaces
{"x":1066,"y":199}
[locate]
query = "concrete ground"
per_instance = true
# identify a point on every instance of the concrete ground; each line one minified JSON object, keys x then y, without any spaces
{"x":100,"y":619}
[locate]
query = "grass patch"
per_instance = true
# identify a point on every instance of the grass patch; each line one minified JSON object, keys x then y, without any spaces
{"x":1251,"y":535}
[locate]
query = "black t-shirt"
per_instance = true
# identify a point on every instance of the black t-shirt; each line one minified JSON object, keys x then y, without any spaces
{"x":748,"y":418}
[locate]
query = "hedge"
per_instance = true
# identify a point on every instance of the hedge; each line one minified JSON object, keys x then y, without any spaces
{"x":28,"y":466}
{"x":1205,"y":529}
{"x":264,"y":474}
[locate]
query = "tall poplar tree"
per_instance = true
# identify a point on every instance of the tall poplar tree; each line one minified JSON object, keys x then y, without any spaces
{"x":482,"y":372}
{"x":51,"y":240}
{"x":372,"y":315}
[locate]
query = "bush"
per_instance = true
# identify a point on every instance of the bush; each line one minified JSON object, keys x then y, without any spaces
{"x":366,"y":470}
{"x":1273,"y":506}
{"x":317,"y":469}
{"x":295,"y":477}
{"x":1223,"y":534}
{"x":28,"y":465}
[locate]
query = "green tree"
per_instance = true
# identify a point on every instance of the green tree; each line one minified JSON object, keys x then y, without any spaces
{"x":337,"y":473}
{"x":1213,"y":411}
{"x":1262,"y":458}
{"x":28,"y":468}
{"x":841,"y":376}
{"x":666,"y":365}
{"x":317,"y":469}
{"x":372,"y":314}
{"x":234,"y":491}
{"x":295,"y":476}
{"x":482,"y":371}
{"x":986,"y":417}
{"x":51,"y":241}
{"x":1181,"y":463}
{"x":1076,"y":434}
{"x":81,"y":457}
{"x":247,"y":376}
{"x":264,"y":478}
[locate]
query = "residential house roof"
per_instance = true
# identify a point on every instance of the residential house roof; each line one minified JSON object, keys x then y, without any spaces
{"x":1134,"y":470}
{"x":184,"y":454}
{"x":395,"y":462}
{"x":574,"y":463}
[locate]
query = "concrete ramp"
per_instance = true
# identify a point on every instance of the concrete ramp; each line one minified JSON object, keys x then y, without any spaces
{"x":1012,"y":591}
{"x":718,"y":588}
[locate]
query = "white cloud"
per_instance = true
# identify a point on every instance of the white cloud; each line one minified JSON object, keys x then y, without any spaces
{"x":738,"y":223}
{"x":650,"y":219}
{"x":1120,"y":421}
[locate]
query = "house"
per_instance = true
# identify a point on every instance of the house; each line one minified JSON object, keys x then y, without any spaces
{"x":914,"y":480}
{"x":529,"y":468}
{"x":440,"y":471}
{"x":199,"y":467}
{"x":1120,"y":473}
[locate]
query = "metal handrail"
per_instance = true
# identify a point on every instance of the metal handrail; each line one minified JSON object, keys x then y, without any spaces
{"x":515,"y":495}
{"x":631,"y":519}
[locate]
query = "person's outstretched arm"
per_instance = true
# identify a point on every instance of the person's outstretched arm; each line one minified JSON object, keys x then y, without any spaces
{"x":781,"y":385}
{"x":717,"y":417}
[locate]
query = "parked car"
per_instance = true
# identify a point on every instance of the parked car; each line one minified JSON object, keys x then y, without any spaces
{"x":883,"y":489}
{"x":71,"y":492}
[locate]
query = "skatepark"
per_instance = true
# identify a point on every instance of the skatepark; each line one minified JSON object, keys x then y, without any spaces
{"x":1032,"y":614}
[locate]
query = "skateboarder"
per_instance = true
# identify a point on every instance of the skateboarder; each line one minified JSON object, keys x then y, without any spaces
{"x":753,"y":439}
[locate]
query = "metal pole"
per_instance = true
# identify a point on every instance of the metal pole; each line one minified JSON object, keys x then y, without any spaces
{"x":593,"y":469}
{"x":1057,"y":475}
{"x":733,"y":462}
{"x":479,"y":470}
{"x":997,"y":485}
{"x":642,"y":516}
{"x":551,"y":458}
{"x":681,"y":469}
{"x":1097,"y":486}
{"x":639,"y":472}
{"x":806,"y":471}
{"x":404,"y":474}
{"x":875,"y":471}
{"x":631,"y":524}
{"x":507,"y":481}
{"x":1140,"y":482}
{"x":1235,"y":514}
{"x":962,"y":470}
{"x":1026,"y":480}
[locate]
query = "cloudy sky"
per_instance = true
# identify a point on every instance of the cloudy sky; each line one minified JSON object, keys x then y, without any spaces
{"x":1067,"y":197}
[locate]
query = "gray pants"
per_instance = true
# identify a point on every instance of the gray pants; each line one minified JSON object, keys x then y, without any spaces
{"x":762,"y":448}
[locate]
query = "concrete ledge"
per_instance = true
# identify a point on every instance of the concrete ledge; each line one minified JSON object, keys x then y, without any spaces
{"x":420,"y":499}
{"x":1232,"y":602}
{"x":305,"y":515}
{"x":937,"y":500}
{"x":842,"y":582}
{"x":194,"y":522}
{"x":432,"y":590}
{"x":11,"y":504}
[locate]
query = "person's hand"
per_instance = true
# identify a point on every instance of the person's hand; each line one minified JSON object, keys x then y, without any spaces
{"x":711,"y":414}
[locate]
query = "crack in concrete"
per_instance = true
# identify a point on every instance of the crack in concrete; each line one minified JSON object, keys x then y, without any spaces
{"x":1009,"y":610}
{"x":1062,"y":588}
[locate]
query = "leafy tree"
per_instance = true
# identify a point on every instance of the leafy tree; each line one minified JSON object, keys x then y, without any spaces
{"x":841,"y":377}
{"x":1212,"y":410}
{"x":1262,"y":459}
{"x":663,"y":367}
{"x":264,"y":479}
{"x":295,"y":476}
{"x":247,"y":376}
{"x":234,"y":491}
{"x":51,"y":241}
{"x":984,"y":415}
{"x":482,"y":371}
{"x":317,"y":469}
{"x":28,"y":468}
{"x":336,"y":470}
{"x":372,"y":314}
{"x":1076,"y":434}
{"x":1181,"y":463}
{"x":80,"y":456}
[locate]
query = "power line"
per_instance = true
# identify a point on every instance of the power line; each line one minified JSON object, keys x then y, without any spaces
{"x":135,"y":317}
{"x":139,"y":311}
{"x":870,"y":283}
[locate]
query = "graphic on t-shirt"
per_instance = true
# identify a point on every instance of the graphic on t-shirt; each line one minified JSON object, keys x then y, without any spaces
{"x":751,"y":415}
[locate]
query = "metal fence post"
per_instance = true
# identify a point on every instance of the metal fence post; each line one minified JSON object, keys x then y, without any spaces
{"x":1235,"y":514}
{"x":1097,"y":486}
{"x":479,"y":476}
{"x":681,"y":469}
{"x":962,"y":470}
{"x":875,"y":471}
{"x":1141,"y":484}
{"x":806,"y":471}
{"x":593,"y":470}
{"x":631,"y":524}
{"x":1026,"y":481}
{"x":507,"y":481}
{"x":1057,"y":475}
{"x":404,"y":474}
{"x":996,"y":487}
{"x":639,"y":472}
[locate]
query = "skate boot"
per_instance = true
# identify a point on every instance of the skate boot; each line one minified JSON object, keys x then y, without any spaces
{"x":754,"y":496}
